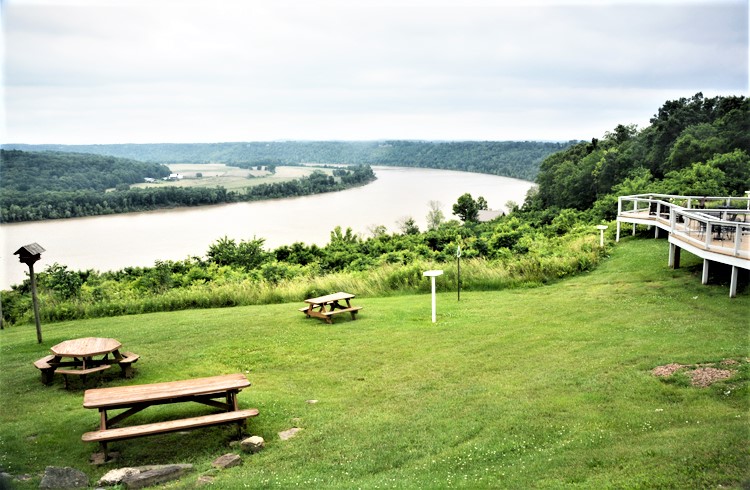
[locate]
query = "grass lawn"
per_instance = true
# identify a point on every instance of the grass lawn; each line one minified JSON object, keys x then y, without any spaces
{"x":547,"y":387}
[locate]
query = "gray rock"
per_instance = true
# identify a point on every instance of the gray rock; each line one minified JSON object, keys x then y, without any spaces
{"x":253,"y":444}
{"x":156,"y":475}
{"x":64,"y":478}
{"x":289,"y":433}
{"x":227,"y":461}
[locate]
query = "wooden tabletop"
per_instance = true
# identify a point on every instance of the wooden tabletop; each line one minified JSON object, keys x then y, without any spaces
{"x":85,"y":347}
{"x":329,"y":298}
{"x":123,"y":396}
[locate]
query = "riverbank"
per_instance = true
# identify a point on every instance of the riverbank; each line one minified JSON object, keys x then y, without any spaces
{"x":107,"y":243}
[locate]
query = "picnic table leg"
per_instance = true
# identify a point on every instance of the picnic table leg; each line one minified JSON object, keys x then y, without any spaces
{"x":48,"y":375}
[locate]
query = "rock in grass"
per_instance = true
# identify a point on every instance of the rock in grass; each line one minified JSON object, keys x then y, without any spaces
{"x":116,"y":476}
{"x":289,"y":433}
{"x":156,"y":476}
{"x":227,"y":461}
{"x":63,"y":478}
{"x":253,"y":444}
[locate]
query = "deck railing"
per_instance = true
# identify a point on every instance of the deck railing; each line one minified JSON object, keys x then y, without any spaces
{"x":716,"y":224}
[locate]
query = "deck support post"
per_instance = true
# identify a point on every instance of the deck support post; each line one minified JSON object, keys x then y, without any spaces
{"x":674,"y":256}
{"x":617,"y":238}
{"x":733,"y":282}
{"x":704,"y":277}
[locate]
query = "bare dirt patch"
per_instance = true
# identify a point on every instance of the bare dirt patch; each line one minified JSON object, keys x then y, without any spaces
{"x":701,"y":375}
{"x":667,"y":370}
{"x":706,"y":376}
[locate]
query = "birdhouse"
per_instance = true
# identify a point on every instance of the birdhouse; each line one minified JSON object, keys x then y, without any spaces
{"x":28,"y":254}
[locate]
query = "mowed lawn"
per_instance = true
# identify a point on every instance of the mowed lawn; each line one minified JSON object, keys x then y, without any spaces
{"x":547,"y":387}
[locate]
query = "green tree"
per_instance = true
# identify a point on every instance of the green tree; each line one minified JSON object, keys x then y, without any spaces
{"x":466,"y":208}
{"x":408,"y":226}
{"x":700,"y":179}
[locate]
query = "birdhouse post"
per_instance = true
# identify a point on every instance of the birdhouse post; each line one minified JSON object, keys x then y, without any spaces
{"x":29,"y":254}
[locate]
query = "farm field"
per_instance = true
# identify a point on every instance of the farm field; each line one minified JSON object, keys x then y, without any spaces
{"x":231,"y":178}
{"x":546,"y":387}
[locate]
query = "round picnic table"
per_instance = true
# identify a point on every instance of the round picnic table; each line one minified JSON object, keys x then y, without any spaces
{"x":84,"y":356}
{"x":85,"y":347}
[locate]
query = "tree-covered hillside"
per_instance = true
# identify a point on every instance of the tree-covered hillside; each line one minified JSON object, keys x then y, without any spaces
{"x":57,"y":171}
{"x":518,"y":159}
{"x":51,"y":185}
{"x":693,"y":146}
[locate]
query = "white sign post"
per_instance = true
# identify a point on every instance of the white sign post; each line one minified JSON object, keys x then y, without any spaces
{"x":432,"y":275}
{"x":601,"y":229}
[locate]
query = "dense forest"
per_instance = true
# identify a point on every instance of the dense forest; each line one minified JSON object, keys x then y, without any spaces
{"x":696,"y":145}
{"x":51,"y":185}
{"x":517,"y":159}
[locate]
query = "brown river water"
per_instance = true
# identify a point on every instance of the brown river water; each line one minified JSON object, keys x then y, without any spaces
{"x":138,"y":239}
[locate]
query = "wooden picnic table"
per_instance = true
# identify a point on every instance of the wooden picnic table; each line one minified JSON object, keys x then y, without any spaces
{"x":133,"y":399}
{"x":324,"y":307}
{"x":80,"y":357}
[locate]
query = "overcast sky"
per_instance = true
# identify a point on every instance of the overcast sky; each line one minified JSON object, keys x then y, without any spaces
{"x":142,"y":71}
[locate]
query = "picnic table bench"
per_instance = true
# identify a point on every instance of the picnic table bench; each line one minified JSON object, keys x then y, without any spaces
{"x":324,"y":307}
{"x":78,"y":357}
{"x":135,"y":398}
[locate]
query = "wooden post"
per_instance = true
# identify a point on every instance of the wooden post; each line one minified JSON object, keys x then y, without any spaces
{"x":29,"y":254}
{"x":458,"y":261}
{"x":35,"y":301}
{"x":704,"y":277}
{"x":733,"y":282}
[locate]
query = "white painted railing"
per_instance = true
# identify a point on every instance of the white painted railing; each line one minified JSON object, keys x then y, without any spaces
{"x":717,"y":224}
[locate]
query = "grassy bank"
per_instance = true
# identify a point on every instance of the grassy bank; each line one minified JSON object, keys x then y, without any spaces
{"x":547,"y":387}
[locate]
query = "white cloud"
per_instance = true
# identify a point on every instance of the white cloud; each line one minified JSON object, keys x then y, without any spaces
{"x":145,"y":71}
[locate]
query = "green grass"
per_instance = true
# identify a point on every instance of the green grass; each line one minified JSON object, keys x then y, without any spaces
{"x":231,"y":178}
{"x":546,"y":387}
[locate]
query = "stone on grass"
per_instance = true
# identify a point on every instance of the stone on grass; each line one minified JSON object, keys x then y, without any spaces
{"x":205,"y":480}
{"x":115,"y":477}
{"x":155,"y":475}
{"x":61,"y":478}
{"x":289,"y":433}
{"x":227,"y":461}
{"x":253,"y":444}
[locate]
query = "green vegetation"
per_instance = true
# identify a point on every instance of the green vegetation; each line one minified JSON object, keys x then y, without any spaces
{"x":518,"y":159}
{"x":547,"y":387}
{"x":697,"y":146}
{"x":505,"y":254}
{"x":37,"y":186}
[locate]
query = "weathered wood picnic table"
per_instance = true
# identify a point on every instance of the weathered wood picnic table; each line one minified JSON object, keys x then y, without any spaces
{"x":133,"y":399}
{"x":80,"y":357}
{"x":324,"y":307}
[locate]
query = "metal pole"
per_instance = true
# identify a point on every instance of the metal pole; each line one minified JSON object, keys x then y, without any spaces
{"x":36,"y":303}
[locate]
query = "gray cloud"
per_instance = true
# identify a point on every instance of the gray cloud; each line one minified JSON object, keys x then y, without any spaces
{"x":136,"y":71}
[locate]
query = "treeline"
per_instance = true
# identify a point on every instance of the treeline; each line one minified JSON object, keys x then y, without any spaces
{"x":517,"y":159}
{"x":76,"y":194}
{"x":38,"y":172}
{"x":694,"y":146}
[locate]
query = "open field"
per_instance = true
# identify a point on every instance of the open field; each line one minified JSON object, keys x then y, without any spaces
{"x":547,"y":387}
{"x":231,"y":178}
